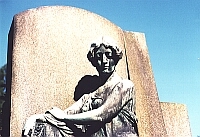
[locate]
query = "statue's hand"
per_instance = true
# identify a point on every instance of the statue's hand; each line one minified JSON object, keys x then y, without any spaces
{"x":30,"y":123}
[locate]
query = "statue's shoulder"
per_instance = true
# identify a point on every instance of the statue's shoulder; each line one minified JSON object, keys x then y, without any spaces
{"x":127,"y":83}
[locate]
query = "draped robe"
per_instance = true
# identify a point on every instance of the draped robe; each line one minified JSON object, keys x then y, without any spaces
{"x":106,"y":112}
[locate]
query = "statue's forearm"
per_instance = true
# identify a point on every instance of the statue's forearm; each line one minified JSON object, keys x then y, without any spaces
{"x":101,"y":114}
{"x":85,"y":117}
{"x":75,"y":107}
{"x":104,"y":113}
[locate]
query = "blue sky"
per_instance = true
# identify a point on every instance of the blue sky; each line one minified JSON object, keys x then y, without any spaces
{"x":172,"y":29}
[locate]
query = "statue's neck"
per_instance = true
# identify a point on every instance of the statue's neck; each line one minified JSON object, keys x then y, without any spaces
{"x":103,"y":77}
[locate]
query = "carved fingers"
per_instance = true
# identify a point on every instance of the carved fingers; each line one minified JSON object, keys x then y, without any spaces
{"x":30,"y":123}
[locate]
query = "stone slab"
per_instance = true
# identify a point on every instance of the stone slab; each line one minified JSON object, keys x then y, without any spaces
{"x":148,"y":109}
{"x":49,"y":49}
{"x":176,"y":119}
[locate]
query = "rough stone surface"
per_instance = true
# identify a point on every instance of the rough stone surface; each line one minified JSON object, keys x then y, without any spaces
{"x":148,"y":110}
{"x":50,"y":45}
{"x":176,"y":119}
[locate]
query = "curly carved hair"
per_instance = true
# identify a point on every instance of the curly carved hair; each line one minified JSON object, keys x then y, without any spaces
{"x":107,"y":42}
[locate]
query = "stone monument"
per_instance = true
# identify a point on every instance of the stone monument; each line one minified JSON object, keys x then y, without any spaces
{"x":148,"y":109}
{"x":176,"y":119}
{"x":47,"y":46}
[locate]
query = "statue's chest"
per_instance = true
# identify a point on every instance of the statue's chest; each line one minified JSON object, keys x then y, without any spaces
{"x":95,"y":99}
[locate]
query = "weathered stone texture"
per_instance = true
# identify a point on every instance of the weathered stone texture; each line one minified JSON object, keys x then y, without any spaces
{"x":148,"y":110}
{"x":50,"y":46}
{"x":176,"y":119}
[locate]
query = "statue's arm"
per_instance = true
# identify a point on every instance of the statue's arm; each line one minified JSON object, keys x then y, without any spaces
{"x":76,"y":107}
{"x":56,"y":112}
{"x":107,"y":111}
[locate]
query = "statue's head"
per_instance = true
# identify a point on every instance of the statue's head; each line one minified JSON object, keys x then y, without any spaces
{"x":104,"y":54}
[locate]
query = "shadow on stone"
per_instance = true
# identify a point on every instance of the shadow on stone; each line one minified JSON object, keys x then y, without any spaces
{"x":86,"y":85}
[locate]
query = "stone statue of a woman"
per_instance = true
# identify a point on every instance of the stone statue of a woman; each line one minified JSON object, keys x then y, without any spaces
{"x":106,"y":112}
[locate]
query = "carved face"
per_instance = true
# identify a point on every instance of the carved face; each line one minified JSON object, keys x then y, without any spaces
{"x":105,"y":61}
